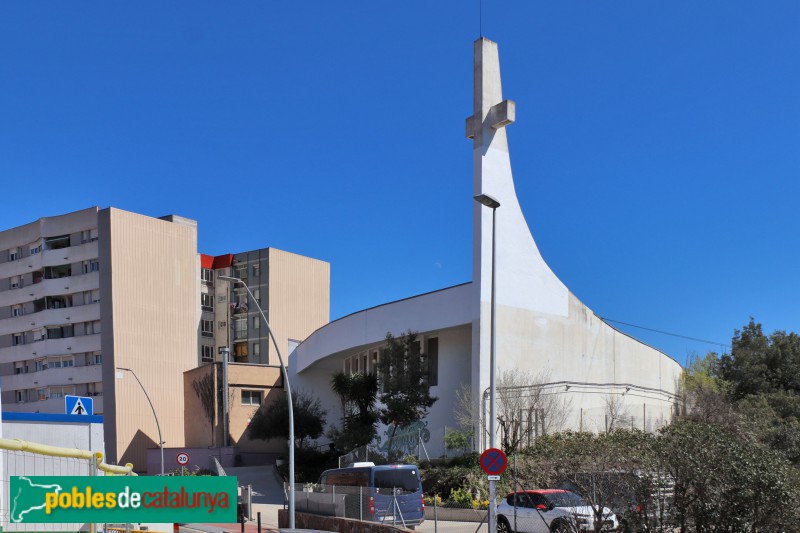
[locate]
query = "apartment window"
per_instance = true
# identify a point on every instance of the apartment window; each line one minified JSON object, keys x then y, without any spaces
{"x":55,"y":243}
{"x":89,"y":235}
{"x":240,"y":327}
{"x":94,"y":358}
{"x":60,"y":332}
{"x":20,"y":396}
{"x":14,"y":254}
{"x":40,"y":365}
{"x":21,"y":367}
{"x":206,"y":302}
{"x":207,"y":328}
{"x":252,"y":397}
{"x":60,"y":362}
{"x":41,"y":394}
{"x":207,"y":354}
{"x":256,"y":348}
{"x":94,"y":389}
{"x":206,"y":274}
{"x":16,"y":310}
{"x":256,"y":322}
{"x":91,"y":297}
{"x":60,"y":392}
{"x":91,"y":266}
{"x":55,"y":272}
{"x":257,"y":295}
{"x":16,"y":282}
{"x":36,"y":249}
{"x":17,"y":339}
{"x":256,"y":270}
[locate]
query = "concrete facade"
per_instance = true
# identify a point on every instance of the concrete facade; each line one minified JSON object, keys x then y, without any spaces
{"x":541,"y":328}
{"x":293,"y":290}
{"x":85,"y":291}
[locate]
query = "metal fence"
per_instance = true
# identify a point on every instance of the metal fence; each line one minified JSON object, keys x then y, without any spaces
{"x":23,"y":458}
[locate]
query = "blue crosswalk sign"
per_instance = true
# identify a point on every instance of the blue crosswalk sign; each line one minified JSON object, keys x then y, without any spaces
{"x":79,"y":405}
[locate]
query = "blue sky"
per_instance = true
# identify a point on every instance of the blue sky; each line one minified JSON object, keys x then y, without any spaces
{"x":656,"y":151}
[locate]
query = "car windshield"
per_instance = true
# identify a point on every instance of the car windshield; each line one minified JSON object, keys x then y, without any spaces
{"x":404,"y":479}
{"x":566,"y":499}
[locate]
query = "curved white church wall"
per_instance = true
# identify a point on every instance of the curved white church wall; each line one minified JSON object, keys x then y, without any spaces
{"x":603,"y":376}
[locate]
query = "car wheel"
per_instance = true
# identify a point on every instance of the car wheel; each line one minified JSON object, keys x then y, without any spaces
{"x":503,"y":525}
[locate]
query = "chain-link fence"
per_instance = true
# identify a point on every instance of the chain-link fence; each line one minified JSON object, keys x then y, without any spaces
{"x":22,"y":458}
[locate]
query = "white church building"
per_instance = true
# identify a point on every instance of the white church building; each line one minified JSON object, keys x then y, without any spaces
{"x":599,"y":376}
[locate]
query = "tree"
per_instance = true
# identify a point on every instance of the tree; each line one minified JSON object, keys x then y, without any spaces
{"x":723,"y":483}
{"x":404,"y":378}
{"x":762,"y":374}
{"x":272,"y":421}
{"x":759,"y":364}
{"x":604,"y":469}
{"x":526,"y":408}
{"x":358,"y":394}
{"x":617,"y":413}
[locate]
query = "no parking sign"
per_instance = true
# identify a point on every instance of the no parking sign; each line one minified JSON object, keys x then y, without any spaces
{"x":494,"y":461}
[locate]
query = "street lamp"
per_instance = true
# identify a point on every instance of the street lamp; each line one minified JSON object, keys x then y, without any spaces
{"x":490,"y":202}
{"x":288,"y":396}
{"x":158,"y":426}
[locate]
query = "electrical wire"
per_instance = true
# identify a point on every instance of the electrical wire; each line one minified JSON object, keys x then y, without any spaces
{"x":665,"y":332}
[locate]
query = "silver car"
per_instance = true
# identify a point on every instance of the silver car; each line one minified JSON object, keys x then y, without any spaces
{"x":549,"y":511}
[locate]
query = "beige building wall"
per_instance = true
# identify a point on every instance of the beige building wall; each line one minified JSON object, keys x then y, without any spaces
{"x":299,"y":298}
{"x":149,"y":317}
{"x":241,"y":377}
{"x":201,"y":432}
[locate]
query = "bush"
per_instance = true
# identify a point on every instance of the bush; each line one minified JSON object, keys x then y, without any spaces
{"x":444,"y":476}
{"x":429,"y":500}
{"x":460,"y":497}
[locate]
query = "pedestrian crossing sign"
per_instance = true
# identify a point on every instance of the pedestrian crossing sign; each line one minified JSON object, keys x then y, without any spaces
{"x":79,"y":405}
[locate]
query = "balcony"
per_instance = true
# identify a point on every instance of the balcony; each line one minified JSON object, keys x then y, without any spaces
{"x":72,"y":254}
{"x":70,"y":285}
{"x":74,"y":375}
{"x":70,"y":345}
{"x":49,"y":317}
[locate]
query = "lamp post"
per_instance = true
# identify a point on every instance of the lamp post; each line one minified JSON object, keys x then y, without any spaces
{"x":490,"y":202}
{"x":158,"y":426}
{"x":288,"y":396}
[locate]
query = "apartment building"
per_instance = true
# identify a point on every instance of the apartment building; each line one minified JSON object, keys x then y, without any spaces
{"x":293,"y":290}
{"x":85,"y":293}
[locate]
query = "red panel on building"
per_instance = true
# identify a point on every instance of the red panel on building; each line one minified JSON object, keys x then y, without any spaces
{"x":206,"y":261}
{"x":222,"y":261}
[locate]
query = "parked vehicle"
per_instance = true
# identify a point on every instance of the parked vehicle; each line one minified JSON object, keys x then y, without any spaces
{"x":549,"y":511}
{"x":386,"y":493}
